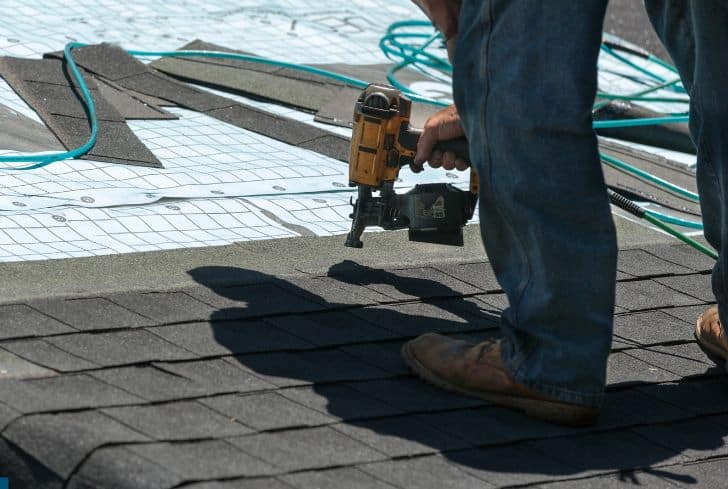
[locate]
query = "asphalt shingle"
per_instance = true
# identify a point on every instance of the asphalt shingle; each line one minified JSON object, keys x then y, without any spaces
{"x":184,"y":420}
{"x":330,"y":328}
{"x":266,"y":411}
{"x":48,"y":355}
{"x":62,"y":392}
{"x":62,"y":441}
{"x":291,"y":450}
{"x":20,"y":320}
{"x":120,"y":468}
{"x":164,"y":307}
{"x":203,"y":460}
{"x":119,"y":347}
{"x":229,"y":337}
{"x":88,"y":314}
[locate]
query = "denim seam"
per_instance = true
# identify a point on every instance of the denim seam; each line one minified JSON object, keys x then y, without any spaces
{"x":524,"y":285}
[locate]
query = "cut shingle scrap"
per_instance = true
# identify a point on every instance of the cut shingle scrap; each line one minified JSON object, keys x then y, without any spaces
{"x":47,"y":86}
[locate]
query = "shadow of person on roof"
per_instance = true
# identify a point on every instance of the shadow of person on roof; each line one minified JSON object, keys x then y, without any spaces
{"x":362,"y":384}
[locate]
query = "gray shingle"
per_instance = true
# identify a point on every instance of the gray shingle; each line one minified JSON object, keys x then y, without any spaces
{"x":150,"y":383}
{"x":43,"y":353}
{"x":480,"y":275}
{"x":697,"y":286}
{"x":286,"y":369}
{"x":682,"y":255}
{"x":510,"y":465}
{"x":648,"y":294}
{"x":340,"y":401}
{"x":19,"y":321}
{"x":402,"y":436}
{"x":624,"y":369}
{"x":631,"y":407}
{"x":607,"y":451}
{"x":413,"y":319}
{"x":492,"y":425}
{"x":414,"y":395}
{"x":120,"y":468}
{"x":61,"y":392}
{"x":688,"y":314}
{"x":424,"y":473}
{"x":62,"y":441}
{"x":177,"y":421}
{"x":698,"y":397}
{"x":331,"y":293}
{"x":651,"y":327}
{"x":349,"y":478}
{"x":682,"y":360}
{"x":266,"y":411}
{"x":387,"y":356}
{"x":252,"y":300}
{"x":694,"y":439}
{"x":92,"y":313}
{"x":641,"y":264}
{"x":330,"y":328}
{"x":119,"y":347}
{"x":201,"y":460}
{"x":218,"y":375}
{"x":307,"y":448}
{"x":229,"y":337}
{"x":164,"y":307}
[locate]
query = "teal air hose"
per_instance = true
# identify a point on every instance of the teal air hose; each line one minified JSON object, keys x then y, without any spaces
{"x":624,"y":203}
{"x":41,"y":160}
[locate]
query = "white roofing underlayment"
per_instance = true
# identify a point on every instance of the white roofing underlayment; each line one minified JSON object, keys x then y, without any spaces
{"x":220,"y":184}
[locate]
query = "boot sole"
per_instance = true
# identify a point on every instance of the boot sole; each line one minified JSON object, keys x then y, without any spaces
{"x":554,"y":412}
{"x":718,"y":355}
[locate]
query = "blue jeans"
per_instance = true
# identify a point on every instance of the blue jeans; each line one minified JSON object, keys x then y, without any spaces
{"x":524,"y":84}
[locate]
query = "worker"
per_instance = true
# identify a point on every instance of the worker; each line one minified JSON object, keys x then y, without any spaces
{"x":524,"y":82}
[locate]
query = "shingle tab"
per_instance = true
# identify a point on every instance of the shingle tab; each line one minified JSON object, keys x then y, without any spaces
{"x":640,"y":263}
{"x":349,"y":478}
{"x":19,"y":320}
{"x":424,"y":473}
{"x":414,"y":395}
{"x":340,"y":401}
{"x":218,"y":375}
{"x":266,"y":411}
{"x":183,"y":420}
{"x":203,"y":460}
{"x":402,"y":436}
{"x":286,"y":369}
{"x":62,"y":441}
{"x":119,"y":347}
{"x":151,"y":383}
{"x":307,"y":448}
{"x":330,"y":328}
{"x":61,"y":392}
{"x":648,"y":294}
{"x":91,"y":313}
{"x":120,"y":468}
{"x":164,"y":307}
{"x":229,"y":337}
{"x":43,"y":353}
{"x":697,"y":285}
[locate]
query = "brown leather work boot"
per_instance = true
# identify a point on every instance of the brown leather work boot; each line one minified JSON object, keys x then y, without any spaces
{"x":477,"y":370}
{"x":711,"y":337}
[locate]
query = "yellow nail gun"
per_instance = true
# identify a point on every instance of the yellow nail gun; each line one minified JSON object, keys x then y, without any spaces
{"x":382,"y":142}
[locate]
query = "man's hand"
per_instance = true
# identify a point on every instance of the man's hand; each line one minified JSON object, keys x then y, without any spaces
{"x":443,"y":124}
{"x":444,"y":16}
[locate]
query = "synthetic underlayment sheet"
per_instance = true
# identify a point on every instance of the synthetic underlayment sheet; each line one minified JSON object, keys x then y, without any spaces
{"x":220,"y":183}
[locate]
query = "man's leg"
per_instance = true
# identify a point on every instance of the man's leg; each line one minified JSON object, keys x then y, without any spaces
{"x":524,"y":81}
{"x":695,"y":34}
